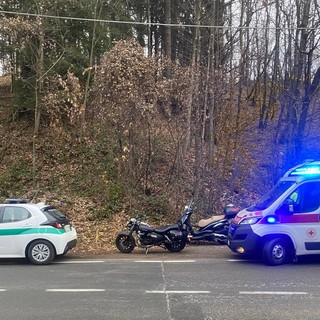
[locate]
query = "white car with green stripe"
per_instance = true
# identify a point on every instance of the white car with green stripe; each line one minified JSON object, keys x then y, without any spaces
{"x":38,"y":232}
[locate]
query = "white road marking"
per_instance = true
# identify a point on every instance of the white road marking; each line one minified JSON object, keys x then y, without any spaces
{"x":176,"y":291}
{"x":75,"y":290}
{"x":164,"y":261}
{"x":236,"y":260}
{"x":112,"y":260}
{"x":164,"y":289}
{"x":2,"y":290}
{"x":274,"y":292}
{"x":79,"y":261}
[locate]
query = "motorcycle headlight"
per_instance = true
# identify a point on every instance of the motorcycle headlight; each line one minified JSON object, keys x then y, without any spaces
{"x":131,"y":222}
{"x":251,"y":220}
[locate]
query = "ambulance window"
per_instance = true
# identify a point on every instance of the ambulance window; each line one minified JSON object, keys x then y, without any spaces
{"x":271,"y":196}
{"x":306,"y":197}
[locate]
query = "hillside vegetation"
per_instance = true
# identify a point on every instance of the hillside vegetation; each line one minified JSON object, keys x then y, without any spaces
{"x":126,"y":158}
{"x":113,"y":108}
{"x":136,"y":147}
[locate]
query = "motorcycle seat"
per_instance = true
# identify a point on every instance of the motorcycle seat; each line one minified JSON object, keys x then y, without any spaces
{"x":165,"y":229}
{"x":204,"y":222}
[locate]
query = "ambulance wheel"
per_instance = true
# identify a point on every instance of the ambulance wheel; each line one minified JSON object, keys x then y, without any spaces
{"x":275,"y":252}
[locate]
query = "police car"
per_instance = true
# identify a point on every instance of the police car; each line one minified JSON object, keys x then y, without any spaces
{"x":38,"y":232}
{"x":285,"y":223}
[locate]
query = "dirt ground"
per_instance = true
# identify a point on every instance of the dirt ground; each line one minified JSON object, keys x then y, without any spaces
{"x":191,"y":251}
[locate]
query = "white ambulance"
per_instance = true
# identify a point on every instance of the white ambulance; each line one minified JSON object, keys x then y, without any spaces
{"x":285,"y":223}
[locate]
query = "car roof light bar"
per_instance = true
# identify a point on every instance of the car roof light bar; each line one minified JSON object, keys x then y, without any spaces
{"x":16,"y":200}
{"x":306,"y":171}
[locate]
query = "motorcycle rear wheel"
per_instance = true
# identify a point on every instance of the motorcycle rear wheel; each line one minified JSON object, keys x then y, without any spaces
{"x":125,"y":242}
{"x":175,"y":246}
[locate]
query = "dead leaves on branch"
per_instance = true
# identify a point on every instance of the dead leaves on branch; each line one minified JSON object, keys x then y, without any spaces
{"x":63,"y":101}
{"x":128,"y":84}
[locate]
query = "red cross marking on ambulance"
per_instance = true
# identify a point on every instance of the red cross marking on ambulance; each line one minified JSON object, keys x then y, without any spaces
{"x":311,"y":233}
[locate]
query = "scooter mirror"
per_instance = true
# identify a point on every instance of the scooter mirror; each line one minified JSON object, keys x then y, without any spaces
{"x":230,"y":211}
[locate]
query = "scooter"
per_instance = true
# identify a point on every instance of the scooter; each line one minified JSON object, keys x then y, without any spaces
{"x":215,"y":228}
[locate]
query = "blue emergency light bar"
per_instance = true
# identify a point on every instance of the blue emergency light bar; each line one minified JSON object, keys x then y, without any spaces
{"x":306,"y":171}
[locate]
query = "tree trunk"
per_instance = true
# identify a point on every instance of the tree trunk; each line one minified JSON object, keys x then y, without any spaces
{"x":194,"y":81}
{"x":38,"y":94}
{"x":295,"y":106}
{"x":91,"y":63}
{"x":167,"y":33}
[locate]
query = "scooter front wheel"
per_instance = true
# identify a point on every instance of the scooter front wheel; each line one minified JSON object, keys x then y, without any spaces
{"x":125,"y":242}
{"x":175,"y":246}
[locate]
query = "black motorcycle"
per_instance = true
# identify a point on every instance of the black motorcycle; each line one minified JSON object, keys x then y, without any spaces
{"x":215,"y":228}
{"x":171,"y":237}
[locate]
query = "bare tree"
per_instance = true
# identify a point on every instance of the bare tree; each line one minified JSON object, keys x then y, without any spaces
{"x":300,"y":88}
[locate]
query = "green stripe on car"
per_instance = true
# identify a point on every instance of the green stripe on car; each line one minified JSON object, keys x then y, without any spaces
{"x":23,"y":231}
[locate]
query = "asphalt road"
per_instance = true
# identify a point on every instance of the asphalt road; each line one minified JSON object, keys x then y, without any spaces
{"x":202,"y":282}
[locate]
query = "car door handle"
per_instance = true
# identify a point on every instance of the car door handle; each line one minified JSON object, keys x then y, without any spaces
{"x":27,"y":225}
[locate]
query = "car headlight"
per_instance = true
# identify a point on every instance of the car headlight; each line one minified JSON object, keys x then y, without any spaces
{"x":251,"y":220}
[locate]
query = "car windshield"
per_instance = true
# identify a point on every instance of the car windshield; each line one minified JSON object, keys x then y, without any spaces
{"x":271,"y":196}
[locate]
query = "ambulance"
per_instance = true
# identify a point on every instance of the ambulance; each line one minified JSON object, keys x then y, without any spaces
{"x":283,"y":224}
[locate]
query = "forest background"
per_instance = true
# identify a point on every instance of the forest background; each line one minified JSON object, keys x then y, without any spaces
{"x":111,"y":108}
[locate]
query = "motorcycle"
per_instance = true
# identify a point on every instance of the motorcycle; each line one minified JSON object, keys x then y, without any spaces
{"x":171,"y":237}
{"x":214,"y":228}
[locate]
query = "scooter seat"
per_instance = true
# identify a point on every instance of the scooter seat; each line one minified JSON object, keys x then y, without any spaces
{"x":204,"y":222}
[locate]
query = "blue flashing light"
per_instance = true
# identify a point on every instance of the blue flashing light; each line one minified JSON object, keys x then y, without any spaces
{"x":306,"y":171}
{"x":271,"y":220}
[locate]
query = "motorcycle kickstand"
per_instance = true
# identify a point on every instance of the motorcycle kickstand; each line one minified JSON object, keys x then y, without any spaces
{"x":146,"y":250}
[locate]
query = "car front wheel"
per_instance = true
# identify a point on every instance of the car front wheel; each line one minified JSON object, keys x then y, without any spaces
{"x":40,"y":252}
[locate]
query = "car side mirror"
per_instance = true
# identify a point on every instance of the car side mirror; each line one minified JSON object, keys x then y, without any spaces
{"x":287,"y":208}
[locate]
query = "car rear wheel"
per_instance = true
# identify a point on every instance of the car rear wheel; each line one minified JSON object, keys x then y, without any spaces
{"x":41,"y":252}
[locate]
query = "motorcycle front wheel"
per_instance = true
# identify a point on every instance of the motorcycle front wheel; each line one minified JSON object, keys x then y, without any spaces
{"x":125,"y":242}
{"x":175,"y":246}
